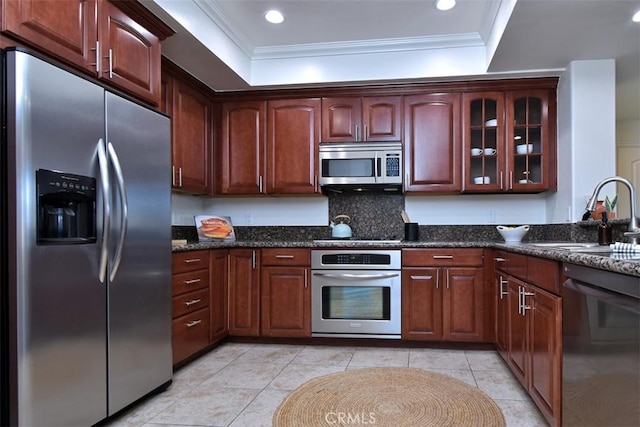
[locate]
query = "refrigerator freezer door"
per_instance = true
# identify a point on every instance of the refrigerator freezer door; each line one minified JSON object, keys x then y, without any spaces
{"x":58,"y":345}
{"x":140,"y":292}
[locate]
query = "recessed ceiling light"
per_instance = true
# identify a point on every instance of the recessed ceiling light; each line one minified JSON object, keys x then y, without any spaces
{"x":445,"y":4}
{"x":274,"y":16}
{"x":636,"y":17}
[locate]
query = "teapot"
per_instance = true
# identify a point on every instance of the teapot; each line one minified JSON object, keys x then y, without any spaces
{"x":340,"y":230}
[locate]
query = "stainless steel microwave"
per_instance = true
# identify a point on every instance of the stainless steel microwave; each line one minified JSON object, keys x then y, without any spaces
{"x":361,"y":166}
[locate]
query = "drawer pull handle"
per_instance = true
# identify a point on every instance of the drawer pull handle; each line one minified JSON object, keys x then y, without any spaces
{"x":285,"y":256}
{"x":193,"y":301}
{"x":192,"y":281}
{"x":443,"y":257}
{"x":192,"y":260}
{"x":192,"y":323}
{"x":499,"y":260}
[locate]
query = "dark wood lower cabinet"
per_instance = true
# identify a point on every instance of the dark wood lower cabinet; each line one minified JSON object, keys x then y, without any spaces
{"x":218,"y":287}
{"x":285,"y":302}
{"x":534,"y":341}
{"x":244,"y":292}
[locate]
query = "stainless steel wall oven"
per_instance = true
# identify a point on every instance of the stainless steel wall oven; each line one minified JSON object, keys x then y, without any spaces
{"x":356,"y":293}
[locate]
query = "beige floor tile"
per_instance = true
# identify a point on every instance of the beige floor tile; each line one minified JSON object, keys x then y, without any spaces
{"x":324,"y":355}
{"x":207,"y":406}
{"x":500,"y":385}
{"x":485,"y":361}
{"x":427,"y":358}
{"x":244,"y":375}
{"x":260,"y":412}
{"x":294,"y":376}
{"x":267,"y":353}
{"x":367,"y":356}
{"x":521,"y":413}
{"x":240,"y":385}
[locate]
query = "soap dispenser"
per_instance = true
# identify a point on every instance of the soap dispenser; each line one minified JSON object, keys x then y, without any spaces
{"x":604,"y":230}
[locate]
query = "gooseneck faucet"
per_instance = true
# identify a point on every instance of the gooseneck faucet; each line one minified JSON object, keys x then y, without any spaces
{"x":633,"y":230}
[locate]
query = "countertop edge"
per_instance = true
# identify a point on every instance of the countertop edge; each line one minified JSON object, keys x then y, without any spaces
{"x":629,"y":267}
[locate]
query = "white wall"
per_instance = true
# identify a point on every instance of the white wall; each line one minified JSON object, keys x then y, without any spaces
{"x":586,"y":136}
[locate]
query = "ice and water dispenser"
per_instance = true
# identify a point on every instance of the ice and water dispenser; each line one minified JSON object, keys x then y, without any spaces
{"x":66,"y":208}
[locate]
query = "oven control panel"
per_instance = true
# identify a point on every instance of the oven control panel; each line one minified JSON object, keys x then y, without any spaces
{"x":337,"y":259}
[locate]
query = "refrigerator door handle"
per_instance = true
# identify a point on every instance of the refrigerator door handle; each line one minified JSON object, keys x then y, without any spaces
{"x":115,"y":162}
{"x":106,"y":209}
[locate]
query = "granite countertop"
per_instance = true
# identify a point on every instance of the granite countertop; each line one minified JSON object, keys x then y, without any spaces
{"x":605,"y":261}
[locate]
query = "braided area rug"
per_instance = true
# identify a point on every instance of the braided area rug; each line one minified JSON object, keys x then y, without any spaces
{"x":383,"y":397}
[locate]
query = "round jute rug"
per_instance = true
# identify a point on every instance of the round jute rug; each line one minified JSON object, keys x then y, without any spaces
{"x":383,"y":397}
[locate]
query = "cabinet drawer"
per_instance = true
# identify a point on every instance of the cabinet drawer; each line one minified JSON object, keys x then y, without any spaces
{"x":187,"y":303}
{"x":189,"y":261}
{"x":286,"y":256}
{"x":190,"y":334}
{"x":544,"y":273}
{"x":517,"y":265}
{"x":442,"y":257}
{"x":500,"y":261}
{"x":191,"y":281}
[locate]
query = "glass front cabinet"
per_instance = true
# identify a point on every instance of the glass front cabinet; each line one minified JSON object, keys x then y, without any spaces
{"x":509,"y":144}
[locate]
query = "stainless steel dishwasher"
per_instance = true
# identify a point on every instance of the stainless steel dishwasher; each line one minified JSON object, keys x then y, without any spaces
{"x":601,"y":348}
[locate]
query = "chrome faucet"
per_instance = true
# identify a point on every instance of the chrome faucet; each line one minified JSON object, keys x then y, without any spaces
{"x":633,"y":230}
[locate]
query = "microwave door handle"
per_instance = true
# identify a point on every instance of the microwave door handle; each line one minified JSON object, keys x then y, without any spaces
{"x":376,"y":167}
{"x":106,"y":209}
{"x":124,"y":218}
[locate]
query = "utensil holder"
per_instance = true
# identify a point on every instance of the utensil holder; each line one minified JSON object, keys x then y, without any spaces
{"x":411,"y":232}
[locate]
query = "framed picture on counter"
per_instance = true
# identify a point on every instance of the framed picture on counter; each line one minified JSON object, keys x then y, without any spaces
{"x":213,"y":228}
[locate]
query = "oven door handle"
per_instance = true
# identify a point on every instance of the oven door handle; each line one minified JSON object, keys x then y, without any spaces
{"x":348,"y":276}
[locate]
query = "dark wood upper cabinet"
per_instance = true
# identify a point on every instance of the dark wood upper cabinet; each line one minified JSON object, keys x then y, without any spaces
{"x":241,"y":161}
{"x":293,"y":134}
{"x":369,"y":118}
{"x":116,"y":41}
{"x":432,"y":142}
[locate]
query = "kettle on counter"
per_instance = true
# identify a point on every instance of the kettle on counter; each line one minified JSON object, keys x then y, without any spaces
{"x":340,"y":230}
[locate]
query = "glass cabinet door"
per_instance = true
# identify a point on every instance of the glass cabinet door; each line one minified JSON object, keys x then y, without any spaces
{"x":484,"y":149}
{"x":527,"y":141}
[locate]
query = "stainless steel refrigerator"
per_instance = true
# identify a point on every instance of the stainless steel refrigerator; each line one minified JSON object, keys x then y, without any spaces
{"x":86,"y":247}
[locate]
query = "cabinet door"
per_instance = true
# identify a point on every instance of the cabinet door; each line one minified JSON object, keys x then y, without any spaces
{"x":432,"y":143}
{"x":502,"y":313}
{"x":546,"y":357}
{"x":382,"y":118}
{"x":130,"y":54}
{"x":341,"y":119}
{"x":293,"y":134}
{"x":286,"y":302}
{"x":244,"y":292}
{"x":66,"y":28}
{"x":518,"y":355}
{"x":191,"y":132}
{"x":462,"y":304}
{"x":528,"y":125}
{"x":484,"y":151}
{"x":241,"y":162}
{"x":421,"y":304}
{"x":218,"y":328}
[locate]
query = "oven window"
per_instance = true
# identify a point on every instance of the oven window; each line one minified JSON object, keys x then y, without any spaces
{"x":345,"y":168}
{"x":356,"y":302}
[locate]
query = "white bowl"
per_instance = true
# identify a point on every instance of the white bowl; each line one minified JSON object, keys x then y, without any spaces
{"x":482,"y":180}
{"x":524,"y":148}
{"x":513,"y":234}
{"x":492,"y":122}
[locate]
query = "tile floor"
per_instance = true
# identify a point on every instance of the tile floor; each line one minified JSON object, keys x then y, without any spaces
{"x":241,"y":385}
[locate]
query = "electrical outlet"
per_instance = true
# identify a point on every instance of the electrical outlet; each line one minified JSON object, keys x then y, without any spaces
{"x":492,"y":216}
